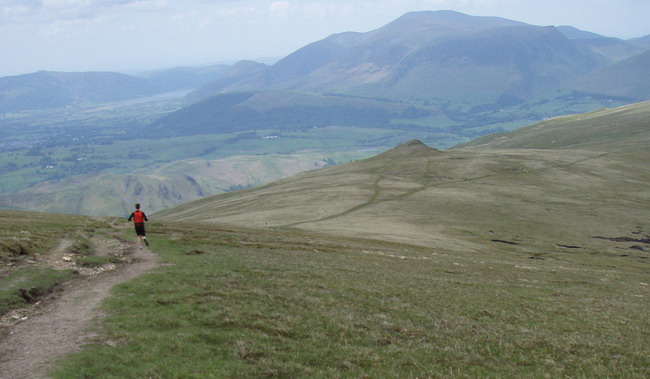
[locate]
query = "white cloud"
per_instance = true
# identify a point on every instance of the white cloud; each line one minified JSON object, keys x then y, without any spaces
{"x":59,"y":4}
{"x":280,"y":8}
{"x":14,"y":10}
{"x":147,"y":5}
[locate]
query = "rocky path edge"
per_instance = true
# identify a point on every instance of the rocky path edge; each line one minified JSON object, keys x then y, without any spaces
{"x":62,"y":324}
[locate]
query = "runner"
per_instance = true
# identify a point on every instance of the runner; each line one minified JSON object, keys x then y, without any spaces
{"x":139,"y":218}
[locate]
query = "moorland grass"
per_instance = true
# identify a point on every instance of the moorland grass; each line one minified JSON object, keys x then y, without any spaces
{"x":31,"y":233}
{"x":26,"y":241}
{"x":26,"y":286}
{"x":95,"y":261}
{"x":233,"y":302}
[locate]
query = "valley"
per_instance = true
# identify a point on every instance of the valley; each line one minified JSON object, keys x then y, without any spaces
{"x":48,"y":155}
{"x":441,"y":77}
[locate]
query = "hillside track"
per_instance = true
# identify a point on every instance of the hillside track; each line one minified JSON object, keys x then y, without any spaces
{"x":424,"y":185}
{"x":63,"y":323}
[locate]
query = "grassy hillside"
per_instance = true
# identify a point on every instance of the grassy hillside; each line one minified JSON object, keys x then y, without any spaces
{"x":234,"y":302}
{"x":246,"y":111}
{"x":241,"y":302}
{"x":626,"y":127}
{"x":32,"y":251}
{"x":627,"y":78}
{"x":161,"y":186}
{"x":539,"y":201}
{"x":492,"y":262}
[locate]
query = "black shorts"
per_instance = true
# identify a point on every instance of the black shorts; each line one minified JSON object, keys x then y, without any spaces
{"x":139,"y":230}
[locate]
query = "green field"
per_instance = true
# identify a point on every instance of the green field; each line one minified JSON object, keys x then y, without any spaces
{"x":108,"y":179}
{"x":234,"y":302}
{"x":21,"y":169}
{"x":237,"y":302}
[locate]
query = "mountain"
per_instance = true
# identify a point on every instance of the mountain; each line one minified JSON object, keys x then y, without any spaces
{"x":369,"y":57}
{"x":281,"y":110}
{"x":627,"y":79}
{"x":520,"y":61}
{"x":577,"y":34}
{"x":47,"y":89}
{"x":426,"y":65}
{"x":185,"y":78}
{"x":241,"y":76}
{"x":548,"y":198}
{"x":613,"y":49}
{"x":644,"y":41}
{"x":427,"y":54}
{"x":442,"y":77}
{"x":323,"y":64}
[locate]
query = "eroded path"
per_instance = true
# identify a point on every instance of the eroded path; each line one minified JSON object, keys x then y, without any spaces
{"x":61,"y":325}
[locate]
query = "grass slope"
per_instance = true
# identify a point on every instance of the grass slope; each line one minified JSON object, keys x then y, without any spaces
{"x":413,"y":263}
{"x":623,"y":128}
{"x":158,"y":187}
{"x":627,"y":78}
{"x":234,"y":302}
{"x":541,"y":200}
{"x":32,"y":246}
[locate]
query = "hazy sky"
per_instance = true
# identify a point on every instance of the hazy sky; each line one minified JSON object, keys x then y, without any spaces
{"x":128,"y":35}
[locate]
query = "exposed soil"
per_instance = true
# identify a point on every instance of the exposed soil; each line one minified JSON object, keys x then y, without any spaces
{"x":625,"y":239}
{"x":60,"y":324}
{"x":506,"y":242}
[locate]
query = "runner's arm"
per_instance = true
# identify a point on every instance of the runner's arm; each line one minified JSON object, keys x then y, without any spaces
{"x":131,"y":217}
{"x":145,"y":216}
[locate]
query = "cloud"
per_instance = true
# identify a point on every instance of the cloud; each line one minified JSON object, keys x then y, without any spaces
{"x":280,"y":6}
{"x":62,"y":4}
{"x":13,"y":11}
{"x":39,"y":11}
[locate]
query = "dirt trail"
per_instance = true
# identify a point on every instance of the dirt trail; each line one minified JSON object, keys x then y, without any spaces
{"x":61,"y":325}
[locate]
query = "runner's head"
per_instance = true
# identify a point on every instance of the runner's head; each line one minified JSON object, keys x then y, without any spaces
{"x":137,"y":206}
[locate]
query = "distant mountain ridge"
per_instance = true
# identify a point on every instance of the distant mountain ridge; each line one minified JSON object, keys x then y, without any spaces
{"x":577,"y":34}
{"x":627,"y":78}
{"x":379,"y":62}
{"x":441,"y":63}
{"x":185,"y":78}
{"x":431,"y":54}
{"x":279,"y":110}
{"x":47,"y":89}
{"x":645,"y":40}
{"x":51,"y":89}
{"x":438,"y":48}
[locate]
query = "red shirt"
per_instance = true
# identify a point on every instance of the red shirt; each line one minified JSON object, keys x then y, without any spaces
{"x":138,"y":217}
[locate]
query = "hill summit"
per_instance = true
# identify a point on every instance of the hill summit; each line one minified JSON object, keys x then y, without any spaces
{"x":412,"y":147}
